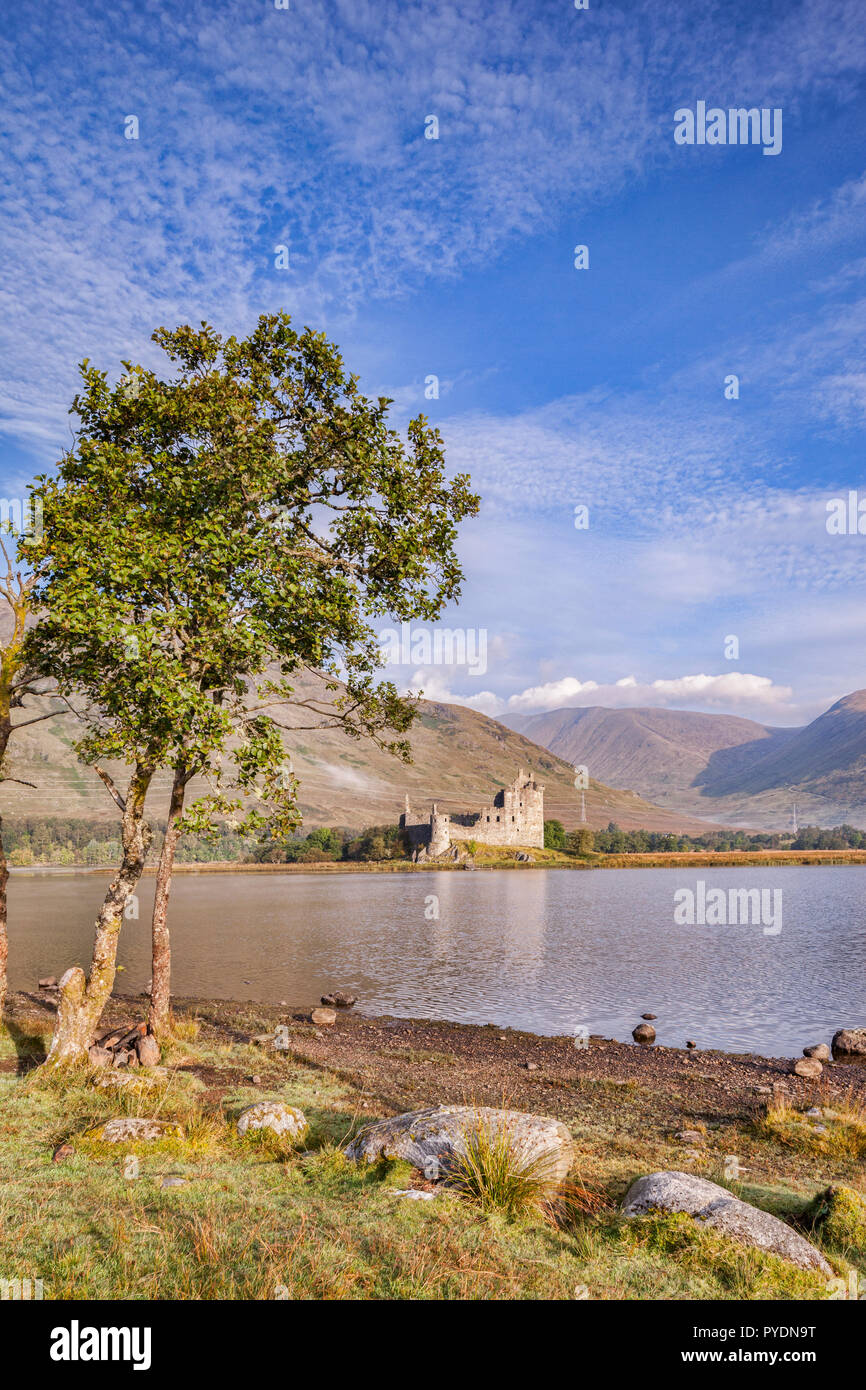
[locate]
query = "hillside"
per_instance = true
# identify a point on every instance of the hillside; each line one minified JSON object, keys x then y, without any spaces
{"x":723,"y":767}
{"x":461,"y":758}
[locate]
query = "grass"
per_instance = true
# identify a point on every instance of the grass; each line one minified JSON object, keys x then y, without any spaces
{"x":840,"y":1129}
{"x":260,"y":1217}
{"x":496,"y":1176}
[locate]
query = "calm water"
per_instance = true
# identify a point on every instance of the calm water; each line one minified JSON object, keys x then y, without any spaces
{"x":541,"y":950}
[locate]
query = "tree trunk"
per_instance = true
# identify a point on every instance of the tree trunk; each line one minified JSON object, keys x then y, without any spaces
{"x":5,"y":731}
{"x":4,"y":940}
{"x":81,"y":1003}
{"x":160,"y":995}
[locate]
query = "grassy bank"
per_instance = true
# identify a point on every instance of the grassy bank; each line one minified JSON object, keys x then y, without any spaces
{"x":265,"y":1220}
{"x":489,"y":857}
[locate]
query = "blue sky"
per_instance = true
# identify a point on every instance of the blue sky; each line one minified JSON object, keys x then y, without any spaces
{"x":304,"y":127}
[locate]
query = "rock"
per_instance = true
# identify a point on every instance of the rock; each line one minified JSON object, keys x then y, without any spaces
{"x":814,"y":1113}
{"x":273,"y":1114}
{"x":118,"y":1078}
{"x":850,"y":1042}
{"x":100,"y":1056}
{"x":147,"y":1049}
{"x":649,"y":1017}
{"x":809,"y":1067}
{"x":170,"y":1180}
{"x":422,"y":1136}
{"x":324,"y":1017}
{"x":339,"y":999}
{"x":62,"y":1153}
{"x":413,"y":1193}
{"x":820,"y":1051}
{"x":689,"y":1136}
{"x":531,"y":1066}
{"x":134,"y":1128}
{"x":49,"y":982}
{"x":120,"y":1059}
{"x":690,"y":1042}
{"x":523,"y":858}
{"x":644,"y":1033}
{"x":720,"y":1210}
{"x":255,"y":1080}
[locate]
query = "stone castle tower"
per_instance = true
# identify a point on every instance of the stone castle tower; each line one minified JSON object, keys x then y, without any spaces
{"x":514,"y":817}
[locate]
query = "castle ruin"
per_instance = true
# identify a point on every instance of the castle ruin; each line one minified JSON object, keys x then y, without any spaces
{"x":514,"y":817}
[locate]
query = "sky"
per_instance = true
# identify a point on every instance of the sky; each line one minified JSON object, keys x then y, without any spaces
{"x":701,"y":574}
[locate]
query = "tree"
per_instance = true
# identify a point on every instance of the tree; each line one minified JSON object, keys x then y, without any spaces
{"x":554,"y":834}
{"x":208,"y":537}
{"x":580,"y":841}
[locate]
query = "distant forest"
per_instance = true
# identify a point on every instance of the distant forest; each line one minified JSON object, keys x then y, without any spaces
{"x":34,"y":840}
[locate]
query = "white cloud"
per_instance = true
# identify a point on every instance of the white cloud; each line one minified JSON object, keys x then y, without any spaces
{"x":733,"y":690}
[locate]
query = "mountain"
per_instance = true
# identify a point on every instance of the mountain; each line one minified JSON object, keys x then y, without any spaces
{"x":650,"y":750}
{"x":461,"y":758}
{"x":732,"y":770}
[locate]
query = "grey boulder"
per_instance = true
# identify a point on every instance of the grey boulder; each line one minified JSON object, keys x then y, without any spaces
{"x":433,"y":1139}
{"x":850,"y":1042}
{"x":719,"y":1209}
{"x":273,"y":1114}
{"x":129,"y":1128}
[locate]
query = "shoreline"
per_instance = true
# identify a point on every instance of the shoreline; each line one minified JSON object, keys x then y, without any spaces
{"x":38,"y":1006}
{"x":675,"y":860}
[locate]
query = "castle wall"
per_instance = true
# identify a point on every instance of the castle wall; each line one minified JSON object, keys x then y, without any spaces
{"x":515,"y":817}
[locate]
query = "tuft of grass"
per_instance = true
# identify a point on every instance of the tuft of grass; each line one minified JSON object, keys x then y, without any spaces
{"x":495,"y":1175}
{"x":842,"y":1133}
{"x":184,"y":1029}
{"x":838,"y":1217}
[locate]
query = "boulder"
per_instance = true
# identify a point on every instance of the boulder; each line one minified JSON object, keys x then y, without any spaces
{"x":118,"y":1079}
{"x":809,"y":1067}
{"x":644,"y":1033}
{"x":126,"y":1129}
{"x":273,"y":1114}
{"x":339,"y":1000}
{"x":324,"y":1017}
{"x":719,"y":1209}
{"x":850,"y":1042}
{"x":100,"y":1056}
{"x":49,"y":982}
{"x":147,"y":1049}
{"x":820,"y":1051}
{"x":690,"y":1136}
{"x":437,"y":1137}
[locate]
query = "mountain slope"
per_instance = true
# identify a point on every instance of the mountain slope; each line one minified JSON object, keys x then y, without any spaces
{"x":827,"y":757}
{"x":653,"y":751}
{"x":720,"y":766}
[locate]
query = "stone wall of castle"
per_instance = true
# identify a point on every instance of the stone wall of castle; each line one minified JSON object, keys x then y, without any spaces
{"x":515,"y":817}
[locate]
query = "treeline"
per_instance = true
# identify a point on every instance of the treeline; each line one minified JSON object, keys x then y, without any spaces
{"x":617,"y":841}
{"x":34,"y":840}
{"x":335,"y":843}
